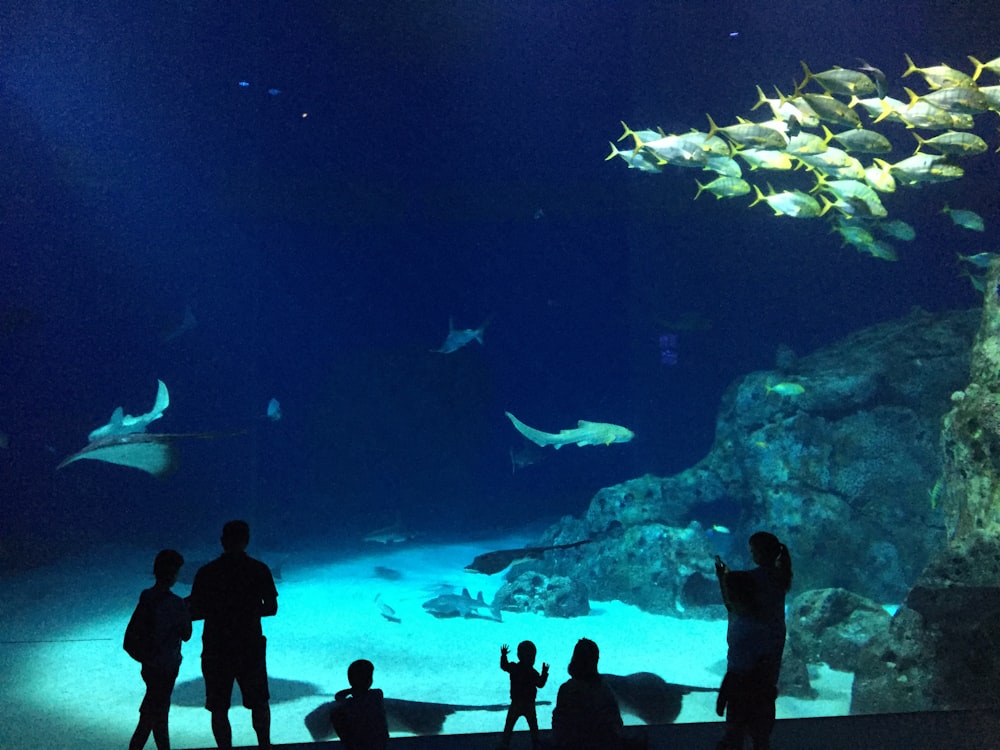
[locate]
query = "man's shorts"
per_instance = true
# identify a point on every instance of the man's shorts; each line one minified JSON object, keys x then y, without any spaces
{"x":246,"y":665}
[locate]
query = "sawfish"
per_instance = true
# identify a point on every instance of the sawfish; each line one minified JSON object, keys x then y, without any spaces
{"x":493,"y":562}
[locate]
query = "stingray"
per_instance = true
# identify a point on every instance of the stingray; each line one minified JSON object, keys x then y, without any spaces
{"x":191,"y":693}
{"x":153,"y":453}
{"x":493,"y":562}
{"x":649,"y":697}
{"x":413,"y":717}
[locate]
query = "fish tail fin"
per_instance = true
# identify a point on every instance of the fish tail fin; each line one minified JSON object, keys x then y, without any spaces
{"x":910,"y":66}
{"x":808,"y":74}
{"x":614,"y":152}
{"x":701,"y":188}
{"x":979,"y":67}
{"x":759,"y":198}
{"x":827,"y":205}
{"x":914,"y":97}
{"x":920,"y":142}
{"x":536,"y":436}
{"x":886,"y":111}
{"x":712,"y":127}
{"x":761,"y":99}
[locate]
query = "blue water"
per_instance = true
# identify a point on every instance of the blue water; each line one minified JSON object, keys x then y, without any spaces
{"x":387,"y":166}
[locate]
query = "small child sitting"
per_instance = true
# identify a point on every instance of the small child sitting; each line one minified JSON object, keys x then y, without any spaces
{"x":524,"y":683}
{"x":358,"y":713}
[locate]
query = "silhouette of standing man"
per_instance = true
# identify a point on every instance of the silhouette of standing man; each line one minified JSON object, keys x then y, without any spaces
{"x":231,"y":594}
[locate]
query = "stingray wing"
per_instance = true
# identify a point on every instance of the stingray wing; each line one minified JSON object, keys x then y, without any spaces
{"x":154,"y":454}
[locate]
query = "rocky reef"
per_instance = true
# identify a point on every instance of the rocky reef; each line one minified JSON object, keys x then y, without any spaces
{"x":942,"y":648}
{"x":838,"y":452}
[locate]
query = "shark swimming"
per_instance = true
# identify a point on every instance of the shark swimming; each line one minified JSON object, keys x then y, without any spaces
{"x":461,"y":605}
{"x":459,"y":337}
{"x":125,"y":424}
{"x":585,"y":433}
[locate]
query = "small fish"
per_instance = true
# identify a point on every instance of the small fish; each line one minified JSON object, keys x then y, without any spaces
{"x":725,"y":187}
{"x":898,"y":229}
{"x":385,"y":610}
{"x":979,"y":260}
{"x":786,"y":389}
{"x":459,"y":337}
{"x":967,"y":219}
{"x":273,"y":410}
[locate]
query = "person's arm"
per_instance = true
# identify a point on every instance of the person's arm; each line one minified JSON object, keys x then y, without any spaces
{"x":195,"y":598}
{"x":504,"y":663}
{"x":269,"y":606}
{"x":269,"y":596}
{"x":544,"y":676}
{"x":722,"y":573}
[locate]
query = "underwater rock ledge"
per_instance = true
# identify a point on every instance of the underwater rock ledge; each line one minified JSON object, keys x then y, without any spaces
{"x":837,"y":452}
{"x":942,"y":648}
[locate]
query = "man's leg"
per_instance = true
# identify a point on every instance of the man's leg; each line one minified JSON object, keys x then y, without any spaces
{"x":261,"y":717}
{"x":221,"y":729}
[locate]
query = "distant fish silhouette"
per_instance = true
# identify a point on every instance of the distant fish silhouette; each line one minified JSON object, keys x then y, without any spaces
{"x":189,"y":322}
{"x":493,"y":562}
{"x":459,"y":337}
{"x":528,"y":454}
{"x":397,"y":533}
{"x":273,"y":410}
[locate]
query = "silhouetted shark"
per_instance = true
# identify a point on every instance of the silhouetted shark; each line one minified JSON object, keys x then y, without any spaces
{"x":459,"y":337}
{"x":461,"y":605}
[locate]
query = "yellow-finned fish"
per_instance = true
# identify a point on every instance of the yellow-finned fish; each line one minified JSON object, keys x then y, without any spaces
{"x":939,"y":76}
{"x":585,"y":433}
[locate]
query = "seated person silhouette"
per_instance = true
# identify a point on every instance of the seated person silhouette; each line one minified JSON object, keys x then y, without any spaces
{"x":586,"y":716}
{"x":358,"y":713}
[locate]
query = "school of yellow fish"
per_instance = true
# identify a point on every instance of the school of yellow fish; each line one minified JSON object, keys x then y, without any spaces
{"x":826,"y":126}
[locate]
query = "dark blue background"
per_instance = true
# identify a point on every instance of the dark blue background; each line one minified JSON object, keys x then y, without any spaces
{"x":323,"y":255}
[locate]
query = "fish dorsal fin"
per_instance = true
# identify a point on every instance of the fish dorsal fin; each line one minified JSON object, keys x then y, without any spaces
{"x":480,"y":598}
{"x":466,"y":594}
{"x":583,"y":423}
{"x":117,"y":417}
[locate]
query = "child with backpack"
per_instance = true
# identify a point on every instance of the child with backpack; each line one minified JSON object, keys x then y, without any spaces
{"x":153,"y":637}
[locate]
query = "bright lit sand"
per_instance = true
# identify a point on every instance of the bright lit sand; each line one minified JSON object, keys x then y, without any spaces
{"x":65,"y":681}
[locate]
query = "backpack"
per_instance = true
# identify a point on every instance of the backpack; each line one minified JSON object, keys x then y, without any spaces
{"x":138,"y":642}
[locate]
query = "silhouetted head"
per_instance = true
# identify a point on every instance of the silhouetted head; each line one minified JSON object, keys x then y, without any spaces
{"x":235,"y":536}
{"x":584,"y":661}
{"x":359,"y":675}
{"x":526,"y":652}
{"x":768,"y":552}
{"x":167,"y":564}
